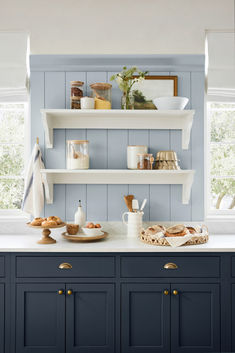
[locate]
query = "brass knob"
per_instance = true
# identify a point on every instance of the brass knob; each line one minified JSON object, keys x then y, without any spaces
{"x":69,"y":292}
{"x":175,"y":292}
{"x":166,"y":292}
{"x":170,"y":266}
{"x":65,"y":266}
{"x":60,"y":291}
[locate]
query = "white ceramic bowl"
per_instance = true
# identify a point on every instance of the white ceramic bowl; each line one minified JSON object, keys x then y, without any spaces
{"x":92,"y":231}
{"x":170,"y":103}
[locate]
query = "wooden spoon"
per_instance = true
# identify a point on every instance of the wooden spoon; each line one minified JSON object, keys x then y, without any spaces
{"x":128,"y":200}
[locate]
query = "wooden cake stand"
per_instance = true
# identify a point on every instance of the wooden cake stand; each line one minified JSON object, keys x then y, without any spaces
{"x":46,"y":239}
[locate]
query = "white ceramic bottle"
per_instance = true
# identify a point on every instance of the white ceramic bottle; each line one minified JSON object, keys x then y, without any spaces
{"x":80,"y":216}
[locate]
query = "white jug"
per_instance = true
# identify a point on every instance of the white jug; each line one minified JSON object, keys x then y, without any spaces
{"x":134,"y":223}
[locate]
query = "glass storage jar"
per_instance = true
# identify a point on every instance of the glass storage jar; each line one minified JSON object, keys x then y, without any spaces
{"x":145,"y":160}
{"x":76,"y":94}
{"x":77,"y":154}
{"x":102,"y":94}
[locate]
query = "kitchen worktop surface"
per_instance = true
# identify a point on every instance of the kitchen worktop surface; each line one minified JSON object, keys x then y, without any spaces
{"x":25,"y":240}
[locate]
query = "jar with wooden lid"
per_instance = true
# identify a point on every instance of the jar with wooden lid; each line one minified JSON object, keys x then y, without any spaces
{"x":102,"y":94}
{"x":132,"y":155}
{"x":77,"y":154}
{"x":76,"y":94}
{"x":145,"y":161}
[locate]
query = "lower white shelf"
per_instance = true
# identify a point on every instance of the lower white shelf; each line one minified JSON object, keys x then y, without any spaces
{"x":117,"y":176}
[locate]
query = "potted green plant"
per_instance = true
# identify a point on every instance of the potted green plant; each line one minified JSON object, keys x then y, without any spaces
{"x":125,"y":80}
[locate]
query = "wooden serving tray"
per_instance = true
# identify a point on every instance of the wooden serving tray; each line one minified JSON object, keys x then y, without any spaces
{"x":85,"y":238}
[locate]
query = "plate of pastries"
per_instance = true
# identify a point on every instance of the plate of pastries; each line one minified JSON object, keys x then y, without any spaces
{"x":47,"y":222}
{"x":175,"y":235}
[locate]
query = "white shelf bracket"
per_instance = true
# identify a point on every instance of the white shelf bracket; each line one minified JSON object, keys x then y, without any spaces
{"x":186,"y":132}
{"x":186,"y":188}
{"x":48,"y":130}
{"x":48,"y":188}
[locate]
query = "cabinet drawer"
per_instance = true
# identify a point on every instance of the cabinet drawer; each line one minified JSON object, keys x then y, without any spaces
{"x":82,"y":266}
{"x":2,"y":266}
{"x":153,"y":266}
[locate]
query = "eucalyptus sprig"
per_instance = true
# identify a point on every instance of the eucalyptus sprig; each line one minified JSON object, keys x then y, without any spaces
{"x":125,"y":79}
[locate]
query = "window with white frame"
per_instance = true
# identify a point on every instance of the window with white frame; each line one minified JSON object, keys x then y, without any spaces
{"x":221,"y":155}
{"x":12,"y":154}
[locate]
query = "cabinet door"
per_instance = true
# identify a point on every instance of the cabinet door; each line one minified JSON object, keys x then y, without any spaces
{"x":90,"y":318}
{"x":40,"y":318}
{"x":195,"y":318}
{"x":145,"y":318}
{"x":2,"y":318}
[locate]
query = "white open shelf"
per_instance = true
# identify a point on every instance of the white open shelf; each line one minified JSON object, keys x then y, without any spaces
{"x":117,"y":119}
{"x":117,"y":176}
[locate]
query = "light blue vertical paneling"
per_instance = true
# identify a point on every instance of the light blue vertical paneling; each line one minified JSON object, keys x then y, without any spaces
{"x":116,"y":204}
{"x":197,"y":136}
{"x":97,"y":203}
{"x":74,"y":193}
{"x":178,"y":210}
{"x":108,"y":147}
{"x":55,"y":158}
{"x":97,"y":195}
{"x":74,"y":76}
{"x":116,"y":92}
{"x":37,"y":103}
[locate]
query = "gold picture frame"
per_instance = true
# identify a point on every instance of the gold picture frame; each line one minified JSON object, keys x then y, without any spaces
{"x":146,"y":90}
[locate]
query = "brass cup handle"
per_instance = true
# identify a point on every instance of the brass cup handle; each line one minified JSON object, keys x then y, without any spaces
{"x":60,"y":291}
{"x":166,"y":292}
{"x":65,"y":266}
{"x":170,"y":266}
{"x":175,"y":292}
{"x":69,"y":292}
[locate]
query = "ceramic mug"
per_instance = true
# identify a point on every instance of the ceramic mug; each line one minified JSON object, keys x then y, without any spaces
{"x":133,"y":223}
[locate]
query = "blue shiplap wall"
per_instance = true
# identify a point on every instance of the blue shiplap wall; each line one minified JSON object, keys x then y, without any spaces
{"x":50,"y":88}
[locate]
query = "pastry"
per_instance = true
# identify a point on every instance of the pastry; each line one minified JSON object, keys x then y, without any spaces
{"x":178,"y":230}
{"x":191,"y":230}
{"x":52,"y":218}
{"x":72,"y":229}
{"x":49,"y":223}
{"x":152,"y":230}
{"x":37,"y":222}
{"x":58,"y":220}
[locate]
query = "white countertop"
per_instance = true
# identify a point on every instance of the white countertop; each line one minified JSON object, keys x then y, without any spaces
{"x":112,"y":244}
{"x":20,"y":238}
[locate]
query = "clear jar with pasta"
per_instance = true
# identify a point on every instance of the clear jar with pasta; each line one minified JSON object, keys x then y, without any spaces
{"x":77,"y":154}
{"x":102,"y":94}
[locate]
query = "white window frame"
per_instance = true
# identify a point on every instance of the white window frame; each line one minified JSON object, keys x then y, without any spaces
{"x":218,"y":221}
{"x":13,"y":214}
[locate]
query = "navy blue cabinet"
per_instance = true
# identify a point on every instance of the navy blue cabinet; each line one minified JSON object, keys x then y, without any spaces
{"x":40,"y":318}
{"x":2,"y":317}
{"x":145,"y":318}
{"x":195,"y":318}
{"x":90,"y":318}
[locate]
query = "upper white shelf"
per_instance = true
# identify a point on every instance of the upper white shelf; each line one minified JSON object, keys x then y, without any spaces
{"x":117,"y":176}
{"x":117,"y":119}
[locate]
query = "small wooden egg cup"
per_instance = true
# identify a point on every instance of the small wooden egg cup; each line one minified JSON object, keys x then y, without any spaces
{"x":46,"y":239}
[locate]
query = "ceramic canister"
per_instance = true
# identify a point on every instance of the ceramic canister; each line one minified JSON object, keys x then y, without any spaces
{"x":132,"y":152}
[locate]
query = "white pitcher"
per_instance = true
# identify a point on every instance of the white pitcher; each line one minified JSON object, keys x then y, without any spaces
{"x":133,"y":223}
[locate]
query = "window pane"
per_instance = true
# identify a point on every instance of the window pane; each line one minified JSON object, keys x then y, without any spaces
{"x":223,"y":126}
{"x":11,"y":159}
{"x":223,"y":193}
{"x":11,"y":192}
{"x":222,"y":160}
{"x":11,"y":125}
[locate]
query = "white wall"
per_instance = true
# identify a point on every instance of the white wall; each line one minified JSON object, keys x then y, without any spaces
{"x":116,"y":26}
